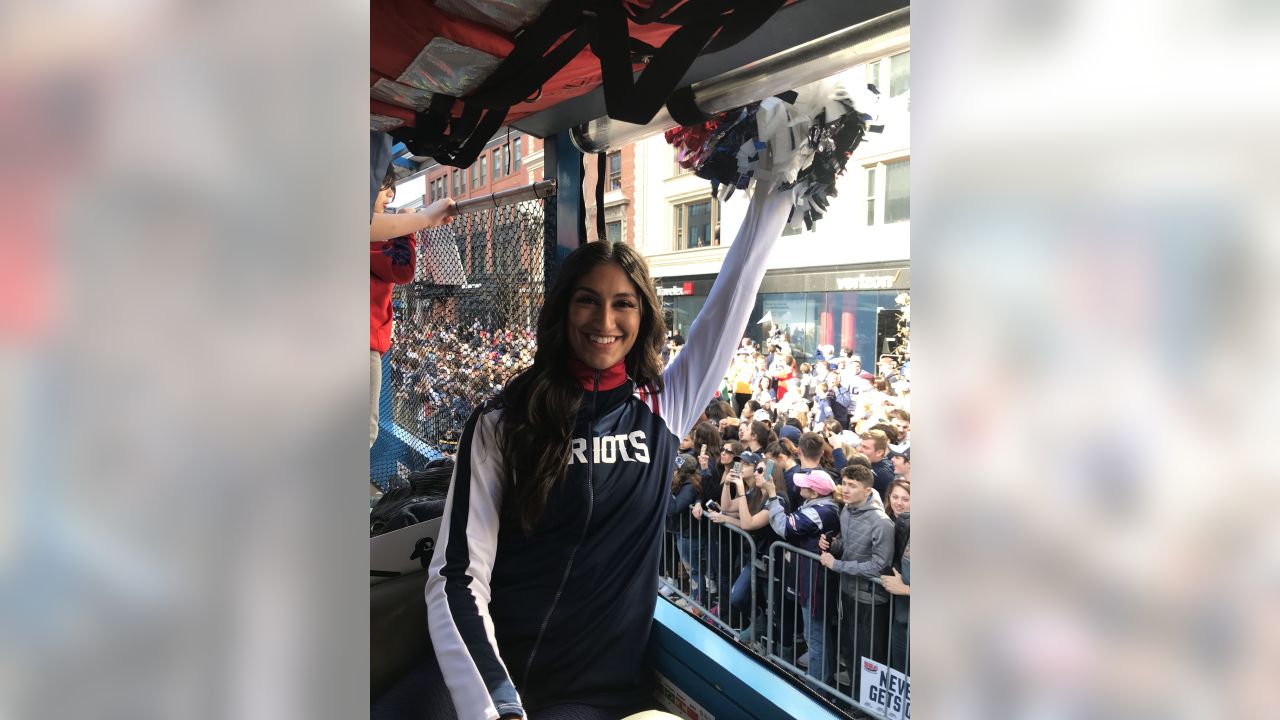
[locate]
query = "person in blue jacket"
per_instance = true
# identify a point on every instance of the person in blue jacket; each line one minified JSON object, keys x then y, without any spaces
{"x":804,"y":527}
{"x":541,"y":591}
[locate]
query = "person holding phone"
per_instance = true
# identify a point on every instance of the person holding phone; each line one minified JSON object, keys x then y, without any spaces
{"x":749,"y":492}
{"x":686,"y":488}
{"x":543,"y":584}
{"x":818,"y":515}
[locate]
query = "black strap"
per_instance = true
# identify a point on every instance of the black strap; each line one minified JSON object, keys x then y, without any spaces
{"x":637,"y":100}
{"x":601,"y":161}
{"x":684,"y":107}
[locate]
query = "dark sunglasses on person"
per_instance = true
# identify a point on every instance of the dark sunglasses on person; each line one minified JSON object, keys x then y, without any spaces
{"x":760,"y":469}
{"x":726,"y":451}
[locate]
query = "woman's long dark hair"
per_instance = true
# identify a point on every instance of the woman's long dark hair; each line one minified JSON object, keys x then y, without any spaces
{"x":541,"y":403}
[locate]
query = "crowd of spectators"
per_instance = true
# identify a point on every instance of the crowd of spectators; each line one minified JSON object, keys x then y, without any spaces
{"x":823,"y":458}
{"x":439,"y":372}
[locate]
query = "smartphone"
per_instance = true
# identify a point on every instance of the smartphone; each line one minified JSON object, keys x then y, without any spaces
{"x":704,"y":450}
{"x":768,"y":471}
{"x":737,"y":467}
{"x":713,"y":506}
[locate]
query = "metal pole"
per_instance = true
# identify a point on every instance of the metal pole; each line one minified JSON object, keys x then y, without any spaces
{"x":798,"y":66}
{"x":510,"y":196}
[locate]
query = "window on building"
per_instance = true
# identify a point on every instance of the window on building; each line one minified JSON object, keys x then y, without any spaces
{"x":478,"y":172}
{"x":889,"y":192}
{"x":497,"y":163}
{"x":897,"y":191}
{"x":457,"y":182}
{"x":613,"y":231}
{"x":506,"y":159}
{"x":871,"y":195}
{"x":444,"y":188}
{"x":899,"y":74}
{"x":431,"y":191}
{"x":516,"y":149}
{"x":697,"y":224}
{"x":892,"y":73}
{"x":615,"y":170}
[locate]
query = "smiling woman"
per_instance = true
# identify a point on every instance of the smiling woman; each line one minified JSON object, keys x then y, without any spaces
{"x":542,"y":587}
{"x":604,"y":317}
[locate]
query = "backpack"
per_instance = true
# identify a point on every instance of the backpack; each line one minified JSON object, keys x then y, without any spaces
{"x":420,"y":499}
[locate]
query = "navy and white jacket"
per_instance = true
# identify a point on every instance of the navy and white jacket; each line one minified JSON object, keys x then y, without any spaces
{"x":564,"y":615}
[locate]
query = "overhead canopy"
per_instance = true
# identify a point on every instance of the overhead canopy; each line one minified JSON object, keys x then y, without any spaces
{"x":465,"y":44}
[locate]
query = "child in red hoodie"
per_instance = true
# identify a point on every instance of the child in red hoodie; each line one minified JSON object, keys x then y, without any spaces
{"x":391,"y":262}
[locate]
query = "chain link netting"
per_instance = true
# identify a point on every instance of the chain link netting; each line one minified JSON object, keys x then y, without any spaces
{"x":462,"y":327}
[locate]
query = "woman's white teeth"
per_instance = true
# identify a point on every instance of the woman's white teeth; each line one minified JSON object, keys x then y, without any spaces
{"x":601,"y":340}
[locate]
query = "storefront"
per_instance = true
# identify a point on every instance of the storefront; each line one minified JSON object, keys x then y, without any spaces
{"x":853,"y":307}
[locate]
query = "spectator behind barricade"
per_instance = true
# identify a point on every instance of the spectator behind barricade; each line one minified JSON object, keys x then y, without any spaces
{"x":902,"y":464}
{"x":811,"y":449}
{"x":889,"y":369}
{"x":899,"y":499}
{"x":392,"y":260}
{"x":704,"y":434}
{"x":862,"y":552}
{"x":763,"y":391}
{"x":901,"y":420}
{"x":784,"y":369}
{"x":759,"y":437}
{"x":875,"y":445}
{"x":839,"y":399}
{"x":729,"y":428}
{"x":741,"y":373}
{"x":806,"y":381}
{"x":854,"y":377}
{"x":899,"y":585}
{"x":762,"y":416}
{"x":749,"y":410}
{"x":790,"y":432}
{"x":783,"y":453}
{"x":686,"y":489}
{"x":761,"y":369}
{"x":890,"y":432}
{"x":712,"y":482}
{"x":817,"y":515}
{"x":792,"y":402}
{"x":839,"y":436}
{"x":833,"y":434}
{"x":742,"y":502}
{"x":714,"y":412}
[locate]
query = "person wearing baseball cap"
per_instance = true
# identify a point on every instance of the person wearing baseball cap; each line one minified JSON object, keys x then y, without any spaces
{"x":818,"y":515}
{"x":901,"y":462}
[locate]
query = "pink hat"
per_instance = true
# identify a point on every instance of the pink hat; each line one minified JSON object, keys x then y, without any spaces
{"x":816,"y":480}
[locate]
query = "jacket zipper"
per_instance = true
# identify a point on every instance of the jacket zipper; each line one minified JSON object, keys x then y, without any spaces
{"x":591,"y":501}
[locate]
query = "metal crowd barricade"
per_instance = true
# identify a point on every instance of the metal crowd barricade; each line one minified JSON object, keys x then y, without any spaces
{"x":799,"y":584}
{"x":886,"y":651}
{"x":708,"y":560}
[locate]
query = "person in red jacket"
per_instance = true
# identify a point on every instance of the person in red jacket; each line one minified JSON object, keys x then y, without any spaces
{"x":391,"y":262}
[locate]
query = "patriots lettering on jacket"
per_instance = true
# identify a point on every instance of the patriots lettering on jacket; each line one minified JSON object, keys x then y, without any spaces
{"x":610,"y":449}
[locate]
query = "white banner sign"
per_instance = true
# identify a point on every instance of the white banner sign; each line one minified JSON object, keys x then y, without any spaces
{"x":675,"y":700}
{"x":886,"y":689}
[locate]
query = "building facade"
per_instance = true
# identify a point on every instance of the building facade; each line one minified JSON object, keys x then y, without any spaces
{"x":834,"y":285}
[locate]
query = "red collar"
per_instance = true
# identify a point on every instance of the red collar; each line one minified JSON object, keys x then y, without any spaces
{"x":610,"y":378}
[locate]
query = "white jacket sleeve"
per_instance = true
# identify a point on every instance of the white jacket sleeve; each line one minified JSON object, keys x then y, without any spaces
{"x":458,"y":580}
{"x":692,"y":380}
